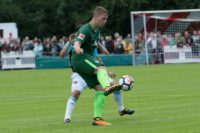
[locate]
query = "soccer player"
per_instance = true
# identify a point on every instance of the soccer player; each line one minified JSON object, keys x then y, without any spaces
{"x":83,"y":62}
{"x":78,"y":84}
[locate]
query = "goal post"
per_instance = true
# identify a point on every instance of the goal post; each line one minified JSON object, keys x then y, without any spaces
{"x":155,"y":32}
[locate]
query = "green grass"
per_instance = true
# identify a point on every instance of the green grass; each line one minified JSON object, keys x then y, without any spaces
{"x":166,"y":99}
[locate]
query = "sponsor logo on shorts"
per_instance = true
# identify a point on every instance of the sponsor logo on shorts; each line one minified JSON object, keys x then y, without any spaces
{"x":75,"y":82}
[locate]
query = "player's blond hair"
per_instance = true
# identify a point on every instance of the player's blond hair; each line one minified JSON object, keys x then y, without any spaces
{"x":99,"y":10}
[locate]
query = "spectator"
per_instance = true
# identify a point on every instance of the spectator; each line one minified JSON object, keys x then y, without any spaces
{"x":164,"y":41}
{"x":102,"y":41}
{"x":139,"y":44}
{"x":38,"y":47}
{"x":119,"y":49}
{"x":188,"y":39}
{"x":16,"y":46}
{"x":155,"y":48}
{"x":159,"y":38}
{"x":116,"y":36}
{"x":196,"y":45}
{"x":152,"y":42}
{"x":127,"y":44}
{"x":54,"y":48}
{"x":2,"y":41}
{"x":61,"y":43}
{"x":110,"y":44}
{"x":180,"y":40}
{"x":47,"y":46}
{"x":171,"y":40}
{"x":27,"y":44}
{"x":54,"y":38}
{"x":195,"y":36}
{"x":6,"y":47}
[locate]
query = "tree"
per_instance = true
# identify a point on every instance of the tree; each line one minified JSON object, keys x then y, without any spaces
{"x":43,"y":18}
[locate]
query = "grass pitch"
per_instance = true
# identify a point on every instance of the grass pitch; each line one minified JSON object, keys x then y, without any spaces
{"x":166,"y":99}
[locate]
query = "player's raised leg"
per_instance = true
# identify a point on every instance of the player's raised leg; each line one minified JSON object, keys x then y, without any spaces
{"x":94,"y":69}
{"x":103,"y":78}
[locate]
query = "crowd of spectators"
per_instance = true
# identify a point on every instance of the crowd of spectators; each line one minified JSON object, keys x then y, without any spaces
{"x":116,"y":44}
{"x":51,"y":46}
{"x":159,"y":41}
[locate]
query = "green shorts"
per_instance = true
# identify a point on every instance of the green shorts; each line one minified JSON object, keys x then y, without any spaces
{"x":90,"y":80}
{"x":86,"y":65}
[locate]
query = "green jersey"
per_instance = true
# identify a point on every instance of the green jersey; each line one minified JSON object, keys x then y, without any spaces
{"x":85,"y":64}
{"x":88,"y":39}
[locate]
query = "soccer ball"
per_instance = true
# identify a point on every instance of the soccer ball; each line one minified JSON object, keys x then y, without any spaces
{"x":127,"y":82}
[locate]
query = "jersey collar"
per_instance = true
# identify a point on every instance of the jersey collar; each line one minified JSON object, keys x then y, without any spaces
{"x":93,"y":27}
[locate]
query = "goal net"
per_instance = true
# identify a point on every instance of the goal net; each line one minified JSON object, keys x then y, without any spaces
{"x":171,"y":36}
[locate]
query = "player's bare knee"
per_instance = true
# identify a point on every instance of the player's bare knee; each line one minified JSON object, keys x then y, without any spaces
{"x":99,"y":68}
{"x":76,"y":94}
{"x":99,"y":88}
{"x":113,"y":82}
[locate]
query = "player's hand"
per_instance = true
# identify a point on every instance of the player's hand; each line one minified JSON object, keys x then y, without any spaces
{"x":71,"y":37}
{"x":111,"y":75}
{"x":79,"y":51}
{"x":77,"y":48}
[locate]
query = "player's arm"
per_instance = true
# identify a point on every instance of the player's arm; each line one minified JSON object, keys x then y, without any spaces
{"x":64,"y":50}
{"x":102,"y":48}
{"x":99,"y":59}
{"x":79,"y":40}
{"x":67,"y":45}
{"x":77,"y":47}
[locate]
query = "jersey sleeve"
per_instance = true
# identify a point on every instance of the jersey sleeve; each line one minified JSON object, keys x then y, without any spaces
{"x":95,"y":54}
{"x":70,"y":48}
{"x":82,"y":35}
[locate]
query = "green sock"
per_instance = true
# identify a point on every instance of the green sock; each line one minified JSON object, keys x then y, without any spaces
{"x":103,"y":78}
{"x":99,"y":103}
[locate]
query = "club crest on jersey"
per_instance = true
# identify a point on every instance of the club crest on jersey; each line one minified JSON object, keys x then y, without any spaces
{"x":81,"y":36}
